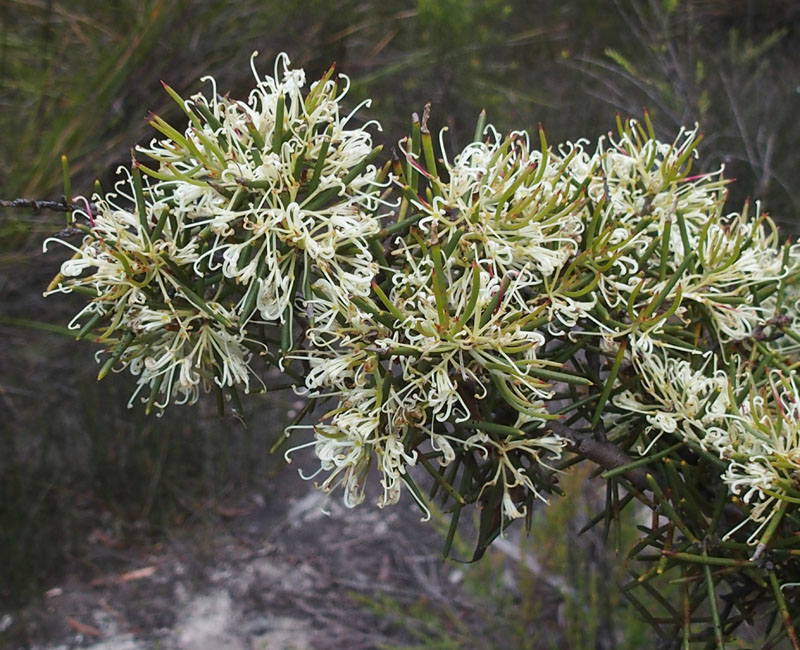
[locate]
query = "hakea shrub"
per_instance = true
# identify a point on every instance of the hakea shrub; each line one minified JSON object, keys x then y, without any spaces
{"x":492,"y":316}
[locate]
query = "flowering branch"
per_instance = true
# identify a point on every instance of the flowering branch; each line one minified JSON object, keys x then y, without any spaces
{"x":474,"y":316}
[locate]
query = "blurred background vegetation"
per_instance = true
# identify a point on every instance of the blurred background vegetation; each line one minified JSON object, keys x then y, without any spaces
{"x":78,"y":77}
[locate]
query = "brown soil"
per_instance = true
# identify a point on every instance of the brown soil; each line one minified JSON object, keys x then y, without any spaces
{"x":263,"y":576}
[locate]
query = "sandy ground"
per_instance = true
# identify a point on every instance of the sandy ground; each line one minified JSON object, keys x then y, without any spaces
{"x":265,"y":579}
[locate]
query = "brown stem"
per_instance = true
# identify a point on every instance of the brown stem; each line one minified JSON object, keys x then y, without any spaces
{"x":604,"y":454}
{"x":37,"y":206}
{"x":608,"y":456}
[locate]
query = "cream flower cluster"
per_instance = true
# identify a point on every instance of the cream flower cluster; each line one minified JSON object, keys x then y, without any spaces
{"x":662,"y":250}
{"x":757,"y":433}
{"x":763,"y":446}
{"x":455,"y":321}
{"x":248,"y":205}
{"x":681,"y":401}
{"x":691,"y":279}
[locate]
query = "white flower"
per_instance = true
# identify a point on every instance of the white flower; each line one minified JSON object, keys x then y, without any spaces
{"x":675,"y":398}
{"x":510,"y":473}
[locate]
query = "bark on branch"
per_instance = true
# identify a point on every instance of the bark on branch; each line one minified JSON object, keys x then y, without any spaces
{"x":38,"y":206}
{"x":605,"y":454}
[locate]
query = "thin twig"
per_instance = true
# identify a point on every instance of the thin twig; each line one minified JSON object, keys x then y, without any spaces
{"x":37,"y":206}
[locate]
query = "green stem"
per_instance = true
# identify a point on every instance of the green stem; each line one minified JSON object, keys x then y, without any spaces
{"x":712,"y":603}
{"x":784,"y":610}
